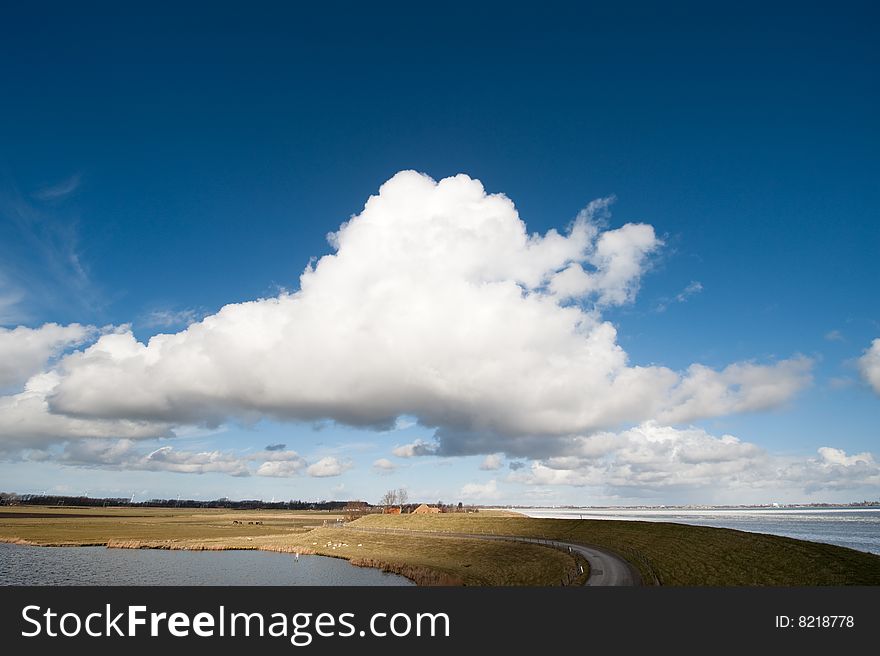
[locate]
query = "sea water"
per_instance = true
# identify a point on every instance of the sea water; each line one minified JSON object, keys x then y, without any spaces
{"x":856,"y":528}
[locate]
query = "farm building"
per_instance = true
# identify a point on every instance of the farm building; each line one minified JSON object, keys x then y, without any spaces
{"x":425,"y":510}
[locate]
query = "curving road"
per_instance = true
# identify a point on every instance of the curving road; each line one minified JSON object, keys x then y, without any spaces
{"x":606,"y":568}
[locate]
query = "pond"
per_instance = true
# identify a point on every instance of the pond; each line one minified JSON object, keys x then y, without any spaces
{"x":26,"y":565}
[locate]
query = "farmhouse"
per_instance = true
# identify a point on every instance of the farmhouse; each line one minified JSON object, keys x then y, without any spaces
{"x":425,"y":510}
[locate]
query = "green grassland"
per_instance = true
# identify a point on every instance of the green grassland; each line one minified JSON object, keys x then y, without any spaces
{"x":674,"y":554}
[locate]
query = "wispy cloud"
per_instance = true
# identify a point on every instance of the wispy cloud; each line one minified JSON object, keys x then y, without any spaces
{"x":834,"y":336}
{"x":11,"y":297}
{"x":481,"y":491}
{"x":384,"y":466}
{"x":41,"y":246}
{"x":171,"y":318}
{"x":694,"y":287}
{"x":60,"y":189}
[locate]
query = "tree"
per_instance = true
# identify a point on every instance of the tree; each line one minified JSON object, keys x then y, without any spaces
{"x":389,"y":499}
{"x":402,"y":496}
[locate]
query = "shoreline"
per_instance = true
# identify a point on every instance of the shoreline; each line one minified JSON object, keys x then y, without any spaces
{"x":419,"y":576}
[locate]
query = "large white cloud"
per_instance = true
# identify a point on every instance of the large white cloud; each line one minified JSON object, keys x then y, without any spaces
{"x":869,"y":365}
{"x":25,"y":352}
{"x":437,"y":304}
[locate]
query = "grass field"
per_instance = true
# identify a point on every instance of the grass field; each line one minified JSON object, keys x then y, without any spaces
{"x":675,"y":554}
{"x":424,"y":559}
{"x":671,"y":554}
{"x":76,"y":526}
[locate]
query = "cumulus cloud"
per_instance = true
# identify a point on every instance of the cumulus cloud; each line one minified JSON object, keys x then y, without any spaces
{"x":328,"y":466}
{"x":25,"y":352}
{"x":280,"y":468}
{"x":437,"y":304}
{"x":652,"y":457}
{"x":415,"y":449}
{"x":26,"y":422}
{"x":481,"y":491}
{"x":834,"y":470}
{"x":869,"y":365}
{"x":384,"y":466}
{"x":492,"y":462}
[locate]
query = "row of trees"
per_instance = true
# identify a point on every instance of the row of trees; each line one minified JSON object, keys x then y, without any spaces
{"x":398,"y":497}
{"x":12,"y":499}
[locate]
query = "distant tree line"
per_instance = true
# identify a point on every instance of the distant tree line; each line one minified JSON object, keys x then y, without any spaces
{"x":13,"y":499}
{"x":398,"y":498}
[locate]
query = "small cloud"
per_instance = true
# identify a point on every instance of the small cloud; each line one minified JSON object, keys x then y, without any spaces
{"x":415,"y":449}
{"x":693,"y":287}
{"x":326,"y":467}
{"x":492,"y":462}
{"x":280,"y":468}
{"x":834,"y":336}
{"x":515,"y":465}
{"x":384,"y":466}
{"x":484,"y":491}
{"x":841,"y":382}
{"x":404,"y":422}
{"x":60,"y":189}
{"x":276,"y":447}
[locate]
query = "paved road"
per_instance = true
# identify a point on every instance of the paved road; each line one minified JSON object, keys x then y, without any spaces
{"x":606,"y":568}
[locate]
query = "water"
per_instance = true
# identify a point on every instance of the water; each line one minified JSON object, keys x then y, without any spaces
{"x":856,"y":528}
{"x":25,"y":565}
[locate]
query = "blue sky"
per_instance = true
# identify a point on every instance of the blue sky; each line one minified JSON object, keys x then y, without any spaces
{"x":155,"y":167}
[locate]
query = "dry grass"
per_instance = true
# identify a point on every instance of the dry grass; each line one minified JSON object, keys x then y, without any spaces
{"x":427,"y":560}
{"x":79,"y":526}
{"x":675,"y":554}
